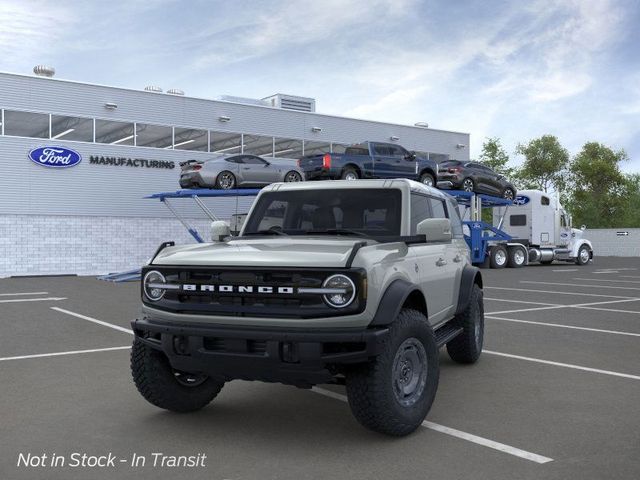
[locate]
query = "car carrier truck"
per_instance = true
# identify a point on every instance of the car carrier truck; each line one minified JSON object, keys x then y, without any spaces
{"x":540,"y":230}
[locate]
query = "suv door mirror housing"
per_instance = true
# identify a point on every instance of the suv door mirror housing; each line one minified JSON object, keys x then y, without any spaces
{"x":435,"y":229}
{"x":219,"y":230}
{"x":410,"y":156}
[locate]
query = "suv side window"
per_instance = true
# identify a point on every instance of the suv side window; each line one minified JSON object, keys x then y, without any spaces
{"x":397,"y":151}
{"x":437,"y":208}
{"x":382,"y":150}
{"x":420,"y":209}
{"x":456,"y":221}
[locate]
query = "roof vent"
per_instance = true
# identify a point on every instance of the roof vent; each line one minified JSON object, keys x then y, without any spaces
{"x":44,"y":71}
{"x":153,"y":88}
{"x":175,"y":91}
{"x":292,"y":102}
{"x":243,"y":100}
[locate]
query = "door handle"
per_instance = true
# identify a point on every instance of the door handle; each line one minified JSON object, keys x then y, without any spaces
{"x":441,"y":262}
{"x":457,"y":258}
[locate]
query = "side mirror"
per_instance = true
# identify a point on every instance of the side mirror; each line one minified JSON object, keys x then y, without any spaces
{"x":410,"y":156}
{"x":219,"y":230}
{"x":435,"y":229}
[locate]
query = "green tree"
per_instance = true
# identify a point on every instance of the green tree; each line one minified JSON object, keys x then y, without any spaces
{"x":600,"y":192}
{"x":631,"y":213}
{"x":545,"y":164}
{"x":495,"y":157}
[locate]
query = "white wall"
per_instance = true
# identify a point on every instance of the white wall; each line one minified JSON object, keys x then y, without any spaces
{"x":607,"y":242}
{"x":57,"y":245}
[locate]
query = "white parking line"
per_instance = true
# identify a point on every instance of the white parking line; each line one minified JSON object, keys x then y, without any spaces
{"x":19,"y":300}
{"x":580,"y":286}
{"x":526,"y":290}
{"x":575,"y":305}
{"x":23,"y":293}
{"x":520,"y":301}
{"x":458,"y":434}
{"x":94,"y":320}
{"x":566,"y":270}
{"x":605,"y":280}
{"x":635,"y":312}
{"x":58,"y":354}
{"x":573,"y":327}
{"x":565,"y":365}
{"x":629,"y":276}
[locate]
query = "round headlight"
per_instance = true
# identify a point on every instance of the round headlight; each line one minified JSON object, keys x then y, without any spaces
{"x":340,"y":291}
{"x":152,"y":283}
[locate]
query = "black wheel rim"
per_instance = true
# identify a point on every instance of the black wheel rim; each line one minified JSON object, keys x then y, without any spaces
{"x":226,"y":181}
{"x":189,"y":379}
{"x":409,"y":372}
{"x":467,"y":185}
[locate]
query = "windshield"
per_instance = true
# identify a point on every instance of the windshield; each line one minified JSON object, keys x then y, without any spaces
{"x":357,"y":212}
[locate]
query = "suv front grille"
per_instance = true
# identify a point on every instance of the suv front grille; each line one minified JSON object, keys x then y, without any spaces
{"x":287,"y":303}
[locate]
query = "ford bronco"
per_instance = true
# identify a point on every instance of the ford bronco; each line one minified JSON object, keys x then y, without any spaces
{"x":342,"y":282}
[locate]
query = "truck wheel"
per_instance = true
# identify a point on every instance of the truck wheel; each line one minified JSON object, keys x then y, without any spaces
{"x":467,"y":347}
{"x":350,"y":173}
{"x":167,"y":388}
{"x":427,"y":179}
{"x":517,"y":257}
{"x":393,"y":393}
{"x":583,"y":255}
{"x":498,"y":256}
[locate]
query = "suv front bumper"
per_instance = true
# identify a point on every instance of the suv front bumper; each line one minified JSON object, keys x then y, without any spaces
{"x":291,"y":356}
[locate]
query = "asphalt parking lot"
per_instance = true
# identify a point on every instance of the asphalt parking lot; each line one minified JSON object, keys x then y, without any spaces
{"x":555,"y":394}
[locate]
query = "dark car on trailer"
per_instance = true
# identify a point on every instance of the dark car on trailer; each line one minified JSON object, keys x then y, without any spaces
{"x":370,"y":160}
{"x":475,"y":177}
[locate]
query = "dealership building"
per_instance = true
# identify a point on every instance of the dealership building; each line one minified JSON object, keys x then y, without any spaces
{"x":92,"y":218}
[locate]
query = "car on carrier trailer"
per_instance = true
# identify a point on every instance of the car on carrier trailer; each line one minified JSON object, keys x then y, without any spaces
{"x":355,"y":283}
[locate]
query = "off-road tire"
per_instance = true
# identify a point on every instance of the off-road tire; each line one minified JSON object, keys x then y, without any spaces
{"x":370,"y":387}
{"x":467,"y":347}
{"x":348,"y":172}
{"x":579,"y":259}
{"x":495,"y":259}
{"x":427,"y":176}
{"x":156,"y":382}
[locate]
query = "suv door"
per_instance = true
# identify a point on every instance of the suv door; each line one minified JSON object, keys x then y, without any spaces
{"x":437,"y":268}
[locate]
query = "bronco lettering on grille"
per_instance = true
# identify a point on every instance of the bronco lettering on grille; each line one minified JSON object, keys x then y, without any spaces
{"x":264,"y":289}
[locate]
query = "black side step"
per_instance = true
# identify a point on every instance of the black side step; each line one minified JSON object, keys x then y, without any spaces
{"x":447,"y":333}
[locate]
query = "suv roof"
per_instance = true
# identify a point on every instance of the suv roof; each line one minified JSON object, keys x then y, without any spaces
{"x":400,"y":183}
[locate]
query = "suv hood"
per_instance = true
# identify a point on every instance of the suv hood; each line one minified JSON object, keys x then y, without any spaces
{"x":263,"y":252}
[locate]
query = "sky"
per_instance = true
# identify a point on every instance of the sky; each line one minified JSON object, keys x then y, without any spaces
{"x":508,"y":69}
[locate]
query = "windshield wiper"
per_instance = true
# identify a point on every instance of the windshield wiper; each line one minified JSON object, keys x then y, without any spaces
{"x":337,"y":231}
{"x":266,"y":232}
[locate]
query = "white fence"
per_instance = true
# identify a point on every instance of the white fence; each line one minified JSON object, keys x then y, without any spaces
{"x":615,"y":242}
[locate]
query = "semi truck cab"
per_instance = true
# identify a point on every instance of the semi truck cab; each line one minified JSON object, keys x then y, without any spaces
{"x":540,"y":223}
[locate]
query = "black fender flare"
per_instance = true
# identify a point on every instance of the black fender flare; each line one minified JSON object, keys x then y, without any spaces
{"x":391,"y":302}
{"x":470,"y":275}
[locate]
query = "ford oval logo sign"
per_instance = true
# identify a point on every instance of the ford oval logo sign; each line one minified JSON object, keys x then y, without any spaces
{"x":521,"y":200}
{"x":56,"y":157}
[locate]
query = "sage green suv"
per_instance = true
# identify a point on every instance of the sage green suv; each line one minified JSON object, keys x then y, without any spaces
{"x":339,"y":282}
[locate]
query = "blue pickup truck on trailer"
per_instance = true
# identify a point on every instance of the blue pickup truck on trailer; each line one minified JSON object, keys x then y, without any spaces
{"x":370,"y":160}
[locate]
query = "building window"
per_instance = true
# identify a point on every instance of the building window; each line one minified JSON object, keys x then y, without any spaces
{"x":316,"y":148}
{"x":287,"y":148}
{"x":225,"y":143}
{"x":26,"y":124}
{"x":115,"y":133}
{"x":190,"y":139}
{"x":157,"y":136}
{"x":71,"y":128}
{"x":258,"y":145}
